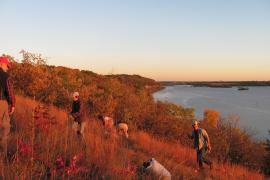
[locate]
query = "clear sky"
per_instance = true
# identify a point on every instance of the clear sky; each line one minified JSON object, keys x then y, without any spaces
{"x":160,"y":39}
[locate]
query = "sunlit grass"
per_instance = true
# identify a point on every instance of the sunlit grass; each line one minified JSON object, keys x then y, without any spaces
{"x":54,"y":152}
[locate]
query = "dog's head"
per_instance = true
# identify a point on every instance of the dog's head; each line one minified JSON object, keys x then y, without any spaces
{"x":143,"y":169}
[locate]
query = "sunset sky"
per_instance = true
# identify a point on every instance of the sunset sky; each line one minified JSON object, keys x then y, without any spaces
{"x":160,"y":39}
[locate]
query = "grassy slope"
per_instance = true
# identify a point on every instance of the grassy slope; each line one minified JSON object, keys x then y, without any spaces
{"x":99,"y":157}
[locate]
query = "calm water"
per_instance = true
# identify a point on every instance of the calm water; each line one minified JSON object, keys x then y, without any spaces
{"x":252,"y":106}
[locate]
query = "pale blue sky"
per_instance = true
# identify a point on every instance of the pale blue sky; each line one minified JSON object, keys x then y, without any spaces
{"x":160,"y":39}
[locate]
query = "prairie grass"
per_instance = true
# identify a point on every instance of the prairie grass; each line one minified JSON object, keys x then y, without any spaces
{"x":42,"y":147}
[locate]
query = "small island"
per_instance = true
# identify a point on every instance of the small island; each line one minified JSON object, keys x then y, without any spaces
{"x":243,"y":88}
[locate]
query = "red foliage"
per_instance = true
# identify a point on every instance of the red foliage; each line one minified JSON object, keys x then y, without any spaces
{"x":24,"y":148}
{"x":59,"y":163}
{"x":128,"y":171}
{"x":73,"y":168}
{"x":43,"y":119}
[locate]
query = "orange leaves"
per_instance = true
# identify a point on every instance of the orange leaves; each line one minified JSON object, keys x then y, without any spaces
{"x":211,"y":117}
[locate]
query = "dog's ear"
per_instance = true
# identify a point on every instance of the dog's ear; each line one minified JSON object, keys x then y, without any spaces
{"x":146,"y":164}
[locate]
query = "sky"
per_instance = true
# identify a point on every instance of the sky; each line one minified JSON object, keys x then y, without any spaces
{"x":179,"y":40}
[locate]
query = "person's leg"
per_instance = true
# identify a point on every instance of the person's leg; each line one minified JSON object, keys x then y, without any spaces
{"x":70,"y":127}
{"x":78,"y":130}
{"x":76,"y":127}
{"x":70,"y":122}
{"x":12,"y":124}
{"x":82,"y":128}
{"x":4,"y":128}
{"x":205,"y":157}
{"x":199,"y":158}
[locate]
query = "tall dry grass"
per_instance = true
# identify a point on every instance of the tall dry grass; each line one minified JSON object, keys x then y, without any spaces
{"x":42,"y":147}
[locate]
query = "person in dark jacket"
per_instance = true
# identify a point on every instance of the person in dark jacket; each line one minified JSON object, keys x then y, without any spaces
{"x":76,"y":116}
{"x":7,"y":104}
{"x":201,"y":144}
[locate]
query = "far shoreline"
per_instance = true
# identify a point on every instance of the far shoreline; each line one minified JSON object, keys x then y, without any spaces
{"x":216,"y":84}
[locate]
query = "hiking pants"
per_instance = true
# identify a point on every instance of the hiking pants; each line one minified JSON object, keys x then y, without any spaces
{"x":202,"y":157}
{"x":4,"y":127}
{"x":77,"y":127}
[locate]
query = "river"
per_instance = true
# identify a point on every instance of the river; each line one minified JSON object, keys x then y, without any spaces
{"x":252,"y":106}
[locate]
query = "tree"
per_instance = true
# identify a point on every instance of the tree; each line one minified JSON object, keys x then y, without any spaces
{"x":33,"y":59}
{"x":211,"y":117}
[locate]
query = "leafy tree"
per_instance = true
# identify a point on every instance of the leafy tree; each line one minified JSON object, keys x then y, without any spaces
{"x":211,"y":117}
{"x":33,"y":59}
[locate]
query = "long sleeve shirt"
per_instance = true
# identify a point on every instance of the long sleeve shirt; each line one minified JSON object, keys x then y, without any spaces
{"x":6,"y":88}
{"x":201,"y":139}
{"x":78,"y":111}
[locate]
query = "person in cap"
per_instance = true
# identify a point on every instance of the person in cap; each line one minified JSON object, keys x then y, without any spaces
{"x":201,"y":144}
{"x":77,"y":116}
{"x":7,"y":104}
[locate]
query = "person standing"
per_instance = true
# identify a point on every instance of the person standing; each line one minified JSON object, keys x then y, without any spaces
{"x":201,"y":144}
{"x":7,"y":104}
{"x":76,"y":116}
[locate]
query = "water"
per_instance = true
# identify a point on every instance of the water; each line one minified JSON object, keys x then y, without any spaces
{"x":252,"y":106}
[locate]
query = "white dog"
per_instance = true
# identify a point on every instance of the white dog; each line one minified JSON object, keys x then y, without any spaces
{"x":122,"y":128}
{"x":108,"y":122}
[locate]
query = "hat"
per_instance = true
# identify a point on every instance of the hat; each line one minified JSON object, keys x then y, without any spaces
{"x":76,"y":94}
{"x":195,"y":123}
{"x":5,"y":60}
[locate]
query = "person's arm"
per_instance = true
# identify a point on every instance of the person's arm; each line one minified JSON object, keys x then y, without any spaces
{"x":81,"y":108}
{"x":207,"y":139}
{"x":10,"y":95}
{"x":191,"y":136}
{"x":71,"y":109}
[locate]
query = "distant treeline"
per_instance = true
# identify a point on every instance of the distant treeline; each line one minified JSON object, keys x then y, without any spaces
{"x":216,"y":84}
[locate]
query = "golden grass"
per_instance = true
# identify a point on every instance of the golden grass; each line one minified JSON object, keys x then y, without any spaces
{"x":38,"y":153}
